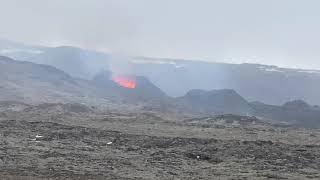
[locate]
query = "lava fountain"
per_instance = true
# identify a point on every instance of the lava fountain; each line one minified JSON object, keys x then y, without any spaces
{"x":125,"y":81}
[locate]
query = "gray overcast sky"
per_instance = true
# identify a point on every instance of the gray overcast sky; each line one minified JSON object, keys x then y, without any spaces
{"x":280,"y":32}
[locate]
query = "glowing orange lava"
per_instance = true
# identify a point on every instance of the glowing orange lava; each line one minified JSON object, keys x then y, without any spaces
{"x":124,"y":81}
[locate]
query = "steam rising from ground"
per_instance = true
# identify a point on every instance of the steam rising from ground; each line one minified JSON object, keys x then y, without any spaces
{"x":120,"y":64}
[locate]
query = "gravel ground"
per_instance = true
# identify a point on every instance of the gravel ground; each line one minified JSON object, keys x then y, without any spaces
{"x":85,"y":145}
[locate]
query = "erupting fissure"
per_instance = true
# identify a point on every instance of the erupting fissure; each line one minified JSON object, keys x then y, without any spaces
{"x":125,"y":81}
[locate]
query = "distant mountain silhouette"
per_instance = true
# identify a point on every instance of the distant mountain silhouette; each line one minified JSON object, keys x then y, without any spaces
{"x":19,"y":51}
{"x":29,"y":82}
{"x":218,"y":101}
{"x":296,"y":104}
{"x":255,"y":82}
{"x":75,"y":61}
{"x":297,"y":112}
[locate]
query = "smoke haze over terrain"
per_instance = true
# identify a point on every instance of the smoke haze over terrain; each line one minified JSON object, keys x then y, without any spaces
{"x":159,"y":89}
{"x":283,"y":33}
